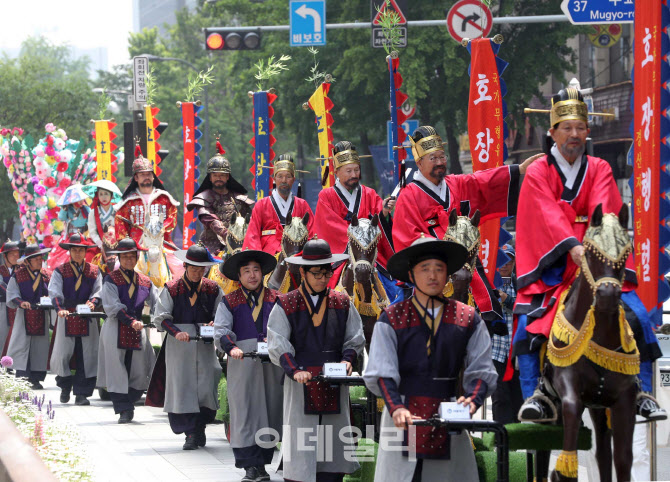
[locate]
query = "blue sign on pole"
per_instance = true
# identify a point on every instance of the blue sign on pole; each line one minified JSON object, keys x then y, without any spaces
{"x":308,"y":22}
{"x":409,"y":126}
{"x":587,"y":12}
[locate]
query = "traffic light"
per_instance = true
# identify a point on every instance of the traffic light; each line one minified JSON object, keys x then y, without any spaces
{"x":239,"y":39}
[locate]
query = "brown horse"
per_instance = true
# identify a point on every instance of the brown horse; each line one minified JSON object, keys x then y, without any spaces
{"x":592,"y":355}
{"x":465,"y":231}
{"x":286,"y":277}
{"x":360,"y":278}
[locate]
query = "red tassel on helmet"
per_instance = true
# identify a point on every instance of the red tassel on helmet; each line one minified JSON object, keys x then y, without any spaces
{"x":219,"y":148}
{"x":138,"y":151}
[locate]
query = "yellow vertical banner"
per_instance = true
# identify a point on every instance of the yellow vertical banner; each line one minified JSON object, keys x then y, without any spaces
{"x":103,"y":150}
{"x":321,"y":105}
{"x":151,"y":137}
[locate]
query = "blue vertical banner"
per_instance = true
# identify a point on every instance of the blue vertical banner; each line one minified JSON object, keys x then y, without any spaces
{"x":262,"y":142}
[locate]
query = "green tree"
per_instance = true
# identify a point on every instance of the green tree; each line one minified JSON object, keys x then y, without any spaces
{"x":433,"y":65}
{"x":45,"y":83}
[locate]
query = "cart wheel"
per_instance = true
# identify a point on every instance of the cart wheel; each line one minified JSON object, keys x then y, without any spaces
{"x":104,"y":395}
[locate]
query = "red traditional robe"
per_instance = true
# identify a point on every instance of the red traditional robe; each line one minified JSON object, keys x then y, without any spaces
{"x":266,"y":226}
{"x":552,"y":219}
{"x":136,"y":211}
{"x":420,"y":211}
{"x":333,"y":218}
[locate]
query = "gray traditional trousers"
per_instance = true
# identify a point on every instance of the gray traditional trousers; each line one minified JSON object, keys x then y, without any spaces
{"x":27,"y":351}
{"x":384,"y":363}
{"x":112,"y":373}
{"x":255,"y":394}
{"x":314,"y":443}
{"x":192,"y":370}
{"x":64,"y":345}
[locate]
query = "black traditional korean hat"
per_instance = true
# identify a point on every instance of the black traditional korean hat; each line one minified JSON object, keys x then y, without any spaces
{"x":316,"y":252}
{"x":452,"y":253}
{"x":231,"y":268}
{"x":9,"y":246}
{"x":196,"y":255}
{"x":33,"y":250}
{"x":126,"y":245}
{"x":77,"y":240}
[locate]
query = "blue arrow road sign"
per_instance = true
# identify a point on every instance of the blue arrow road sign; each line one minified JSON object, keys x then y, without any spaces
{"x":308,"y":23}
{"x":584,"y":12}
{"x":409,"y":126}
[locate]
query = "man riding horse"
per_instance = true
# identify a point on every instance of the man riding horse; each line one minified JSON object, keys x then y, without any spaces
{"x":559,"y":193}
{"x":145,"y":198}
{"x":217,"y":199}
{"x":270,"y":214}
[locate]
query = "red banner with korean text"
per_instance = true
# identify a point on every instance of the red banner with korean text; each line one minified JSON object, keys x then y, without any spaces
{"x":646,"y":142}
{"x":189,"y":141}
{"x":486,"y":134}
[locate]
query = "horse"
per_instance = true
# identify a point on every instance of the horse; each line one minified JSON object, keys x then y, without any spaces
{"x":360,"y":279}
{"x":237,"y":230}
{"x":286,"y":277}
{"x":154,"y":262}
{"x":465,"y":231}
{"x":592,"y":358}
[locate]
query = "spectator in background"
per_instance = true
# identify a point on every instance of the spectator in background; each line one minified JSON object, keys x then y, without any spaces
{"x":507,"y":398}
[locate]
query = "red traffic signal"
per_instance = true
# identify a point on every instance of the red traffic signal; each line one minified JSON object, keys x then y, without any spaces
{"x":237,"y":39}
{"x":214,"y":41}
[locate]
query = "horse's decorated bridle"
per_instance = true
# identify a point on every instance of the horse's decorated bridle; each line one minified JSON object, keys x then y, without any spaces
{"x":607,"y":249}
{"x":236,"y":236}
{"x":296,"y":235}
{"x":612,"y":250}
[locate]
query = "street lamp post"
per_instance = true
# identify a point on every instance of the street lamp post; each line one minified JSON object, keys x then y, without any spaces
{"x":190,"y":65}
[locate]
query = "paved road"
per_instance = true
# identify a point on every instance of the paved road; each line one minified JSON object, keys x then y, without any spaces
{"x":147,"y":450}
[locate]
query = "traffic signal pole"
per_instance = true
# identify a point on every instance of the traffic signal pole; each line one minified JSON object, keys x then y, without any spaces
{"x":410,"y":23}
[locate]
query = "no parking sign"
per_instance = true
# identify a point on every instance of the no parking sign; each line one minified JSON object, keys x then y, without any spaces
{"x":469,"y":19}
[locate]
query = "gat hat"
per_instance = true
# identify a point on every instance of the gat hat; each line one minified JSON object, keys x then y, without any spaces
{"x":344,"y":152}
{"x":33,"y":250}
{"x":196,"y":255}
{"x":77,"y":240}
{"x":452,"y":253}
{"x":126,"y":245}
{"x":316,"y":252}
{"x":231,"y":268}
{"x":10,"y":246}
{"x":424,"y":141}
{"x":141,"y":163}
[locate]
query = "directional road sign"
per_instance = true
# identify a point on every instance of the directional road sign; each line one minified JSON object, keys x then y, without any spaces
{"x":581,"y":12}
{"x":308,"y":22}
{"x":469,"y":19}
{"x":409,"y":126}
{"x":377,"y":8}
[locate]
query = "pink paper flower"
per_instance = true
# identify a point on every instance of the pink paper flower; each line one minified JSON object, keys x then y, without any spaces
{"x":6,"y":361}
{"x":65,"y":183}
{"x":40,"y":190}
{"x":49,"y":127}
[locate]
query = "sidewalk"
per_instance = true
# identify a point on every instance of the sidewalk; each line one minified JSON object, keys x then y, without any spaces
{"x":145,"y":450}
